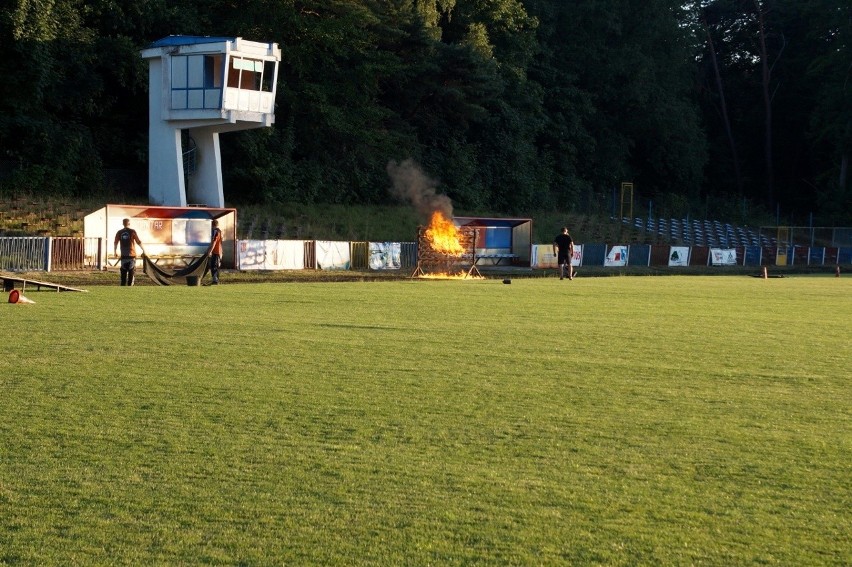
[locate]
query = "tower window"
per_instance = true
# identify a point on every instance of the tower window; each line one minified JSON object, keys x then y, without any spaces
{"x":213,"y":71}
{"x":247,"y":74}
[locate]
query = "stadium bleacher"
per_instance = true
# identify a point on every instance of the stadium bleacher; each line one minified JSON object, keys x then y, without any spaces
{"x":695,"y":232}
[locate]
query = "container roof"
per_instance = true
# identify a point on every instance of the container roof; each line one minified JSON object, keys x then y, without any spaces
{"x":173,"y":40}
{"x":165,"y":212}
{"x":490,"y":221}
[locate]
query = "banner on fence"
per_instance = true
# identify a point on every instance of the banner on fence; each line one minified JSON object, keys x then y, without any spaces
{"x":385,"y":255}
{"x":679,"y":256}
{"x":723,"y":256}
{"x":577,"y":260}
{"x":285,"y":254}
{"x":543,"y":256}
{"x":251,"y":254}
{"x":332,"y":255}
{"x":271,"y":254}
{"x":616,"y":257}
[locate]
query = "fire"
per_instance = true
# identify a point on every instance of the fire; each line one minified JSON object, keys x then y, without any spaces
{"x":444,"y":236}
{"x":441,"y":246}
{"x":446,"y":276}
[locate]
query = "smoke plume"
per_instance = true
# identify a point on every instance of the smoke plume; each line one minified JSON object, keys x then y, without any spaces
{"x":412,"y":185}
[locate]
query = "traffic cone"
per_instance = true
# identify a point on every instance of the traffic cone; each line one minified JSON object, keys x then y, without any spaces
{"x":16,"y":297}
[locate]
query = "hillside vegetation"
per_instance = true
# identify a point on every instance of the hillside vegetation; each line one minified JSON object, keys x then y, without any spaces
{"x":32,"y":216}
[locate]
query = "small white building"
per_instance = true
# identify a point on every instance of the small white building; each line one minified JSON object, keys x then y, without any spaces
{"x":200,"y":87}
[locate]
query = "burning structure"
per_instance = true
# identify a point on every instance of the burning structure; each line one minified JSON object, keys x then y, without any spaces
{"x":445,"y":250}
{"x":450,"y":247}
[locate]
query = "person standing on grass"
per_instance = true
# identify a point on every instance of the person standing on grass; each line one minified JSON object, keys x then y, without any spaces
{"x":563,"y":249}
{"x":215,"y":252}
{"x":127,"y":239}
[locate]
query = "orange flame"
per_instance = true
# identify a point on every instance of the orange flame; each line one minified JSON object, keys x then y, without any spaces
{"x":448,"y":276}
{"x":444,"y":235}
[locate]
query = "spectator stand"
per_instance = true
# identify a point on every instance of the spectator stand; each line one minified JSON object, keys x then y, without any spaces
{"x":171,"y":236}
{"x":500,"y":241}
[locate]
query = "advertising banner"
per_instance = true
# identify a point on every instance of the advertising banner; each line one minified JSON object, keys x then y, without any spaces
{"x":616,"y":257}
{"x":285,"y":254}
{"x":271,"y":254}
{"x":578,"y":255}
{"x":543,"y":256}
{"x":679,"y":256}
{"x":251,"y":254}
{"x":723,"y":256}
{"x":385,"y":255}
{"x":332,"y":255}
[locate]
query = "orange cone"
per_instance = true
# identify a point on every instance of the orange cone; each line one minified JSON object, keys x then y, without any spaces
{"x":16,"y":297}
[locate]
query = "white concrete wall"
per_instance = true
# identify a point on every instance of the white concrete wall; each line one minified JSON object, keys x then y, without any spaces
{"x":165,"y":155}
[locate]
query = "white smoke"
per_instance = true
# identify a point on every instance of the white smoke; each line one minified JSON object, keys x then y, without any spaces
{"x":411,"y":184}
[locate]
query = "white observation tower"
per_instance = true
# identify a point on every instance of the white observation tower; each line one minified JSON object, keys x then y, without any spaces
{"x":199,"y":87}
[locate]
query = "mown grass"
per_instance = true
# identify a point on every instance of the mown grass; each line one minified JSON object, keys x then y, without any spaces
{"x":617,"y":421}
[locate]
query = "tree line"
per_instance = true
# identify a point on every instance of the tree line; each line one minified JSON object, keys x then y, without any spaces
{"x":724,"y":108}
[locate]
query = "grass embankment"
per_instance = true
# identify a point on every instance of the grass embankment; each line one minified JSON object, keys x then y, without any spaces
{"x":46,"y":216}
{"x":601,"y":421}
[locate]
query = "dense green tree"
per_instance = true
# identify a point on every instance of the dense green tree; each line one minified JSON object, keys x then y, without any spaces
{"x":511,"y":105}
{"x":43,"y":103}
{"x":618,"y":87}
{"x":784,"y":67}
{"x":830,"y":121}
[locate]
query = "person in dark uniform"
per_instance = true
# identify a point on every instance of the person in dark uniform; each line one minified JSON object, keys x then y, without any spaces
{"x":127,"y":239}
{"x":563,"y":248}
{"x":215,"y":252}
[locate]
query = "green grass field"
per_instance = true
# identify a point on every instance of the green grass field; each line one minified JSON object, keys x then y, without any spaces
{"x":612,"y":421}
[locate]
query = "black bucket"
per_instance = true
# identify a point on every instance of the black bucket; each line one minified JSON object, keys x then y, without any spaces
{"x":193,"y":280}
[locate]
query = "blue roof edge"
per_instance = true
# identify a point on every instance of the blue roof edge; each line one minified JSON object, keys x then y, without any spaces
{"x":173,"y":40}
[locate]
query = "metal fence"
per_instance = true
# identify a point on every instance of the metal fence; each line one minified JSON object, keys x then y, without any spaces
{"x":30,"y":253}
{"x":359,"y":255}
{"x":806,"y":236}
{"x":24,"y":253}
{"x":72,"y":254}
{"x":49,"y":254}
